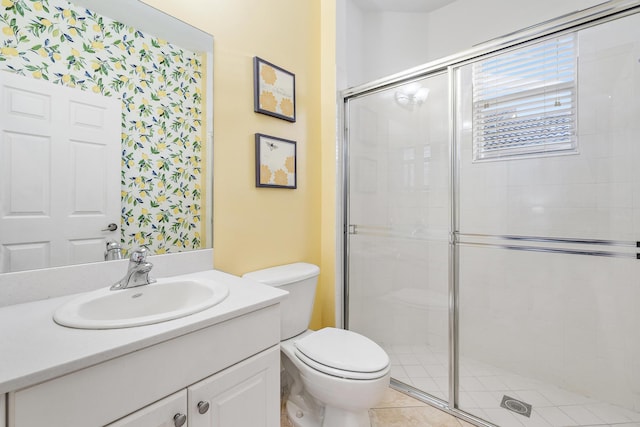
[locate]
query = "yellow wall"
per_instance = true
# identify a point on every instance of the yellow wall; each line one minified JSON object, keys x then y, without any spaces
{"x":324,"y":315}
{"x":260,"y":227}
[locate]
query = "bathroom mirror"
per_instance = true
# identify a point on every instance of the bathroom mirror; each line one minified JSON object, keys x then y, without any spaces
{"x":157,"y":189}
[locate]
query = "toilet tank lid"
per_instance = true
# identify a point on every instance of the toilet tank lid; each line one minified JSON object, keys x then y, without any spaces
{"x":284,"y":274}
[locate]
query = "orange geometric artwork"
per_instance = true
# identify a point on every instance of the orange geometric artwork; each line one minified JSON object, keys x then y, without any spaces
{"x":281,"y":178}
{"x":268,"y":101}
{"x":265,"y":174}
{"x":286,"y":106}
{"x":268,"y":74}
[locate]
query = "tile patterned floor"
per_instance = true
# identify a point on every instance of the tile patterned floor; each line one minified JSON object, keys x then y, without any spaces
{"x":482,"y":387}
{"x":399,"y":410}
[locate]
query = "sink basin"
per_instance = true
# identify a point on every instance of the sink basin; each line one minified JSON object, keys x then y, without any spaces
{"x":164,"y":300}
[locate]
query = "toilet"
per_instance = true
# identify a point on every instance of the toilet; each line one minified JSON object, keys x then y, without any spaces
{"x":333,"y":375}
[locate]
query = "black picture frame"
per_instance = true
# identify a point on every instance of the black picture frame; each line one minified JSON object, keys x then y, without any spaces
{"x":274,"y":90}
{"x":276,"y":162}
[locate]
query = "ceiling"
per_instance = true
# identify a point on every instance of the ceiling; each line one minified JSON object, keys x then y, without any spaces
{"x":419,"y":6}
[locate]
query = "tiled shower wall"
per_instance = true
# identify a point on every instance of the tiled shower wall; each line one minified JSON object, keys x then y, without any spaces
{"x":570,"y":320}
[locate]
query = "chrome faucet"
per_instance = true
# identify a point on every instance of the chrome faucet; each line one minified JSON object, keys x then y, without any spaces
{"x":114,"y":251}
{"x":137,"y":273}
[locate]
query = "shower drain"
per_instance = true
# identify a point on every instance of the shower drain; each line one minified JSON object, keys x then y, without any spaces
{"x":515,"y":405}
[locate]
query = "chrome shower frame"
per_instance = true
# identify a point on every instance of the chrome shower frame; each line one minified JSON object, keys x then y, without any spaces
{"x":567,"y":23}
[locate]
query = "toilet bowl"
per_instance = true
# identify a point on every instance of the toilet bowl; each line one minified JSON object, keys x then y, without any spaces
{"x":345,"y":372}
{"x":333,"y":375}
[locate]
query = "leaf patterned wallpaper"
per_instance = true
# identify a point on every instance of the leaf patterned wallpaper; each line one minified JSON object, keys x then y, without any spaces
{"x":160,"y":86}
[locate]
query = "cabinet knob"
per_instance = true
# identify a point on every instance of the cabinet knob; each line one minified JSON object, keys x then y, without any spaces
{"x":179,"y":419}
{"x":203,"y":407}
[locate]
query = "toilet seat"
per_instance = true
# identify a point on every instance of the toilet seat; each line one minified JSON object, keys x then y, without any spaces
{"x":343,"y":354}
{"x":349,"y":375}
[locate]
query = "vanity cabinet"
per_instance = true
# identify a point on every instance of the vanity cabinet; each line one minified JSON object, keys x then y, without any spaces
{"x":241,"y":395}
{"x":237,"y":396}
{"x":233,"y":367}
{"x":168,"y":412}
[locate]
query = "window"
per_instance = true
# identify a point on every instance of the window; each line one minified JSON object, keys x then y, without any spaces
{"x":524,"y":101}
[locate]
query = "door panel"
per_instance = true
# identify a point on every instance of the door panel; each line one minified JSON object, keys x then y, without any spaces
{"x":60,"y":158}
{"x":246,"y":394}
{"x":398,"y":228}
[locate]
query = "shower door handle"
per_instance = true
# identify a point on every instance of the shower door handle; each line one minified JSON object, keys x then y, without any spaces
{"x":352,"y":229}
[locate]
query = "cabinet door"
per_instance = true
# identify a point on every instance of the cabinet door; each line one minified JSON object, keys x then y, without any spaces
{"x":167,"y":412}
{"x":246,"y":394}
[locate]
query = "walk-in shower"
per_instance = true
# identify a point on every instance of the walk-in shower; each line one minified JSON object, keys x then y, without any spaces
{"x":492,"y":224}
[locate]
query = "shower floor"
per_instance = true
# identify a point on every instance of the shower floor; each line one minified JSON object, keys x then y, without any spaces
{"x":482,"y":388}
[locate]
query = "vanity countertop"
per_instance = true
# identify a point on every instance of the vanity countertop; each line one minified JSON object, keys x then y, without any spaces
{"x":33,"y":348}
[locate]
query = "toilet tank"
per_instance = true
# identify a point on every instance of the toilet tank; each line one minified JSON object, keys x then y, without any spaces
{"x":300,"y":281}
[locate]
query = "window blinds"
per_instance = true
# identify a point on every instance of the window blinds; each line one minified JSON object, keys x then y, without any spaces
{"x":524,"y":101}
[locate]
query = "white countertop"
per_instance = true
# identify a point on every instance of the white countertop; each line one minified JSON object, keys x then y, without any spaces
{"x":33,"y":348}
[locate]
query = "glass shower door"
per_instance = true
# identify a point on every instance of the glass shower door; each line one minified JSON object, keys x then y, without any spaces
{"x":548,"y":260}
{"x":398,"y":227}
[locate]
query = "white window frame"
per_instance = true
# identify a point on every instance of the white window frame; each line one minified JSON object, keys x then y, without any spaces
{"x":525,"y":101}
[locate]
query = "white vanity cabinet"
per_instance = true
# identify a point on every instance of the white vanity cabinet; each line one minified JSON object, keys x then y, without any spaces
{"x":241,"y":395}
{"x":233,"y":367}
{"x":237,"y":397}
{"x":168,"y":412}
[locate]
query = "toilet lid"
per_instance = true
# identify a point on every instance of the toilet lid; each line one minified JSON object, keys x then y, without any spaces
{"x":343,"y":350}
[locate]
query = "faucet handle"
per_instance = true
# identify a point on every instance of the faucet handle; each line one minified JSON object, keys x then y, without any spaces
{"x":139,"y":255}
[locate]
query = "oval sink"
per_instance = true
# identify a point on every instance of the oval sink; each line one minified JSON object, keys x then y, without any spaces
{"x":164,"y":300}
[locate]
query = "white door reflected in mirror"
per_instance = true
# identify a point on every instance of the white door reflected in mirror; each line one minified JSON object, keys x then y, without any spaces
{"x":60,"y":151}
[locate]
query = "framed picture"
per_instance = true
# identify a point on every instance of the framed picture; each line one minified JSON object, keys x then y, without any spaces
{"x":274,"y":90}
{"x":276,"y":163}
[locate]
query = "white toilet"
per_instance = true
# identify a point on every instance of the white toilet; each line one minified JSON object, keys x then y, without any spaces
{"x":334,"y":375}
